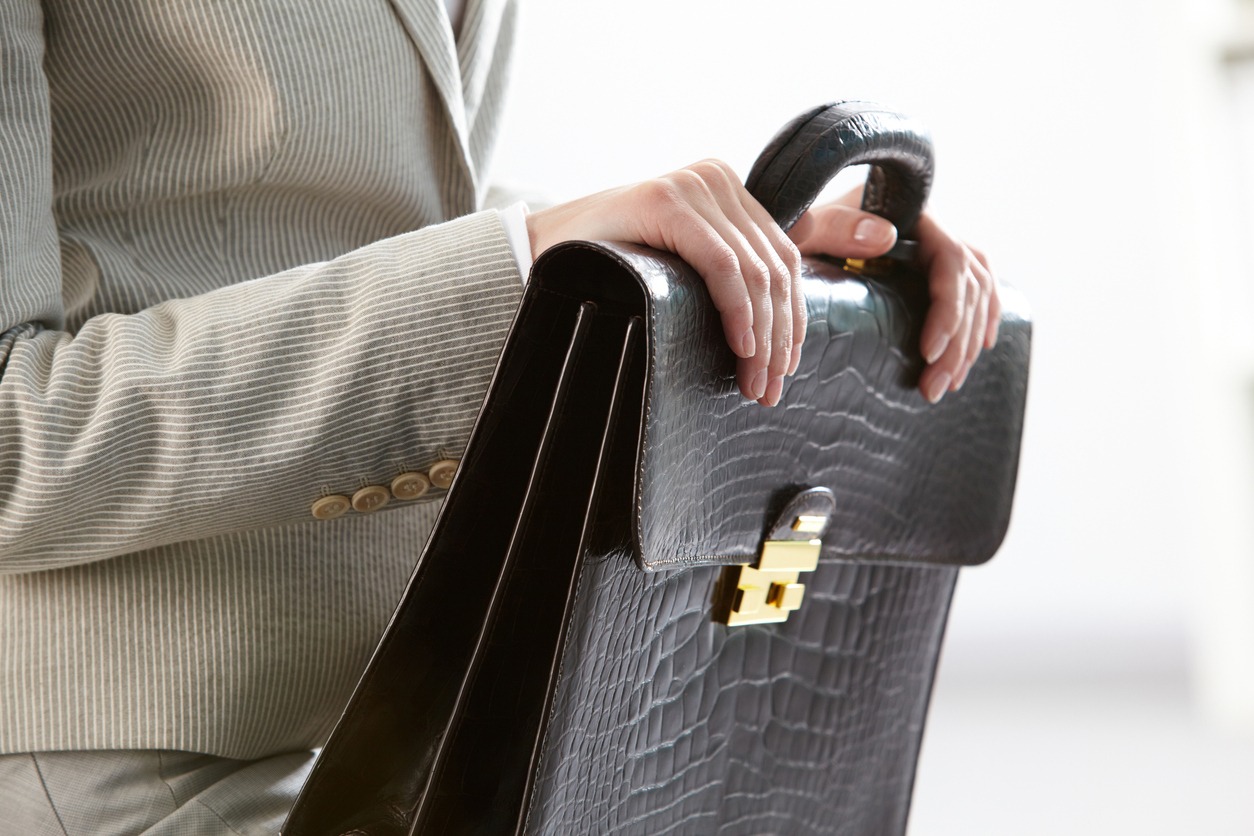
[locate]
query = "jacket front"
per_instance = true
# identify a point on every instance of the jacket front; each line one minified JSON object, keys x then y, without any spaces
{"x":241,"y":269}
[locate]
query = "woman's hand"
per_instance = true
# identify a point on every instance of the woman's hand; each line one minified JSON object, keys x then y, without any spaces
{"x":753,"y":270}
{"x":703,"y":214}
{"x":965,"y":311}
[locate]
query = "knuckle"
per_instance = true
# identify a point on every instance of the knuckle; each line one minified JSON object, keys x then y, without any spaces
{"x":689,"y":181}
{"x":947,"y":287}
{"x":790,"y":257}
{"x":980,"y":256}
{"x":712,"y":167}
{"x":781,"y":280}
{"x":957,"y":251}
{"x":975,"y":266}
{"x":663,"y":193}
{"x":793,"y":260}
{"x":707,"y":174}
{"x":723,"y":261}
{"x":737,"y":313}
{"x":779,"y":359}
{"x":727,"y":173}
{"x":953,"y":319}
{"x":757,"y":277}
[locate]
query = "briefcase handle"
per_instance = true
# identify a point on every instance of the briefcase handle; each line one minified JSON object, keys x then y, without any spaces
{"x":811,"y":149}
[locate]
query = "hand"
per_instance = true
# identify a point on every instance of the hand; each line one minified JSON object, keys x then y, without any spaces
{"x":753,"y":270}
{"x":965,"y":311}
{"x":704,"y":214}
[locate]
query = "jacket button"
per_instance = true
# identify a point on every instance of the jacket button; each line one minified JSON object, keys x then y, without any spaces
{"x":330,"y":507}
{"x":371,"y":498}
{"x":410,"y":485}
{"x":441,"y":473}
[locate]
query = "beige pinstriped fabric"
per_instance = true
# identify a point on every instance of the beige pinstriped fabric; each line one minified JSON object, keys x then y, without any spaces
{"x":221,"y":297}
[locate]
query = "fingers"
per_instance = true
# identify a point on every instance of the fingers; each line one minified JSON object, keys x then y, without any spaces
{"x":965,"y":311}
{"x":753,"y":270}
{"x":800,"y":317}
{"x":800,"y":321}
{"x":750,"y":267}
{"x":789,"y":315}
{"x":994,"y":301}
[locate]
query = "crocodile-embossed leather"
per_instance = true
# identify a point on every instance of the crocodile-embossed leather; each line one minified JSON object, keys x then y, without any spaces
{"x":554,"y":668}
{"x":714,"y":468}
{"x":675,"y":725}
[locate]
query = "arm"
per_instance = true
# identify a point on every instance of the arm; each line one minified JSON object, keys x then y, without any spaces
{"x":229,"y":410}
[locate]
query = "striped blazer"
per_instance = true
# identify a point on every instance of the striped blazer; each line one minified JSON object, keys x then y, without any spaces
{"x":243,"y":267}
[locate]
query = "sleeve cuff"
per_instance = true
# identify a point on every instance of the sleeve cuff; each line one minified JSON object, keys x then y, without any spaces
{"x":514,"y":220}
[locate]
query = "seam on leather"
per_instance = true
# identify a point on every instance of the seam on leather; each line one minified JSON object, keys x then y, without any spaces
{"x":646,"y":413}
{"x":850,"y":112}
{"x":767,"y":179}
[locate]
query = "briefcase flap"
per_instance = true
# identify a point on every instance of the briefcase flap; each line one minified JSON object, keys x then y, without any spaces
{"x":912,"y":481}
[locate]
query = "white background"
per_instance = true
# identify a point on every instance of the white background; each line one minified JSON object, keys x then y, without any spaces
{"x":1086,"y":145}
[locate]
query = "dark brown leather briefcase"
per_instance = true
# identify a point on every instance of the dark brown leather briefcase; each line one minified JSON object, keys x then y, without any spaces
{"x":649,"y":606}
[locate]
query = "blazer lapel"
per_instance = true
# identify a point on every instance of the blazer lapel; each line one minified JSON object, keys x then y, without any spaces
{"x":427,"y":23}
{"x":481,"y":27}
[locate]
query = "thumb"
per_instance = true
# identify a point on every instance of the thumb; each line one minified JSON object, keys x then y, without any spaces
{"x":842,"y":231}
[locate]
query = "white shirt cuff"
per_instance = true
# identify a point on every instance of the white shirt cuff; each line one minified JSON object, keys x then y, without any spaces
{"x":514,"y":220}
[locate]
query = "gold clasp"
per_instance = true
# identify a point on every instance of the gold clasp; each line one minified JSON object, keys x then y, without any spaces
{"x":768,"y":592}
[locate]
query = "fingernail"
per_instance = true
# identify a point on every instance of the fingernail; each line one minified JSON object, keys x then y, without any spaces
{"x":773,"y":390}
{"x":961,"y":378}
{"x":871,"y":230}
{"x":936,"y":390}
{"x":759,"y":384}
{"x":748,"y":345}
{"x":935,"y":348}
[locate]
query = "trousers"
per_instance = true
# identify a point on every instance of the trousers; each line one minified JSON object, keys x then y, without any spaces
{"x":149,"y":792}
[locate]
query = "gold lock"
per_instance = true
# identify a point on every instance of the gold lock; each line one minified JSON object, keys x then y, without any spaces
{"x":809,"y":523}
{"x":768,"y":592}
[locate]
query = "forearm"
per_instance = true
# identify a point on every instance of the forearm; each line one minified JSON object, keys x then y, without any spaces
{"x":238,"y":408}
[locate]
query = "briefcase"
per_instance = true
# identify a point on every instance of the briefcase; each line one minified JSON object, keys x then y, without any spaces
{"x":649,"y":606}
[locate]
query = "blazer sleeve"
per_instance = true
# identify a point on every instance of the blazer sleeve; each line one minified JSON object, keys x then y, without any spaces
{"x":229,"y":410}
